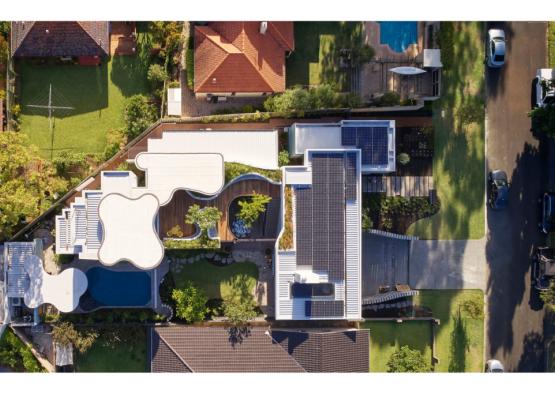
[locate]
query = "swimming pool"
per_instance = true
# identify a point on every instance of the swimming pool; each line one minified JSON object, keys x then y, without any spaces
{"x":118,"y":288}
{"x":398,"y":35}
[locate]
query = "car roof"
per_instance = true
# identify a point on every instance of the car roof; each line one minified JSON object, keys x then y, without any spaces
{"x":496,"y":33}
{"x":498,"y":174}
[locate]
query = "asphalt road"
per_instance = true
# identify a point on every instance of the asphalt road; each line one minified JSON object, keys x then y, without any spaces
{"x":514,"y":329}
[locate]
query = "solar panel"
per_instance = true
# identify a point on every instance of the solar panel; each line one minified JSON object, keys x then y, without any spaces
{"x":308,"y":290}
{"x":303,"y":216}
{"x":350,"y":176}
{"x":324,"y":308}
{"x":372,"y":141}
{"x":348,"y":136}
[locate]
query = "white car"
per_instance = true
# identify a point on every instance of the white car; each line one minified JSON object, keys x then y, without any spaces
{"x":494,"y":366}
{"x":495,"y":51}
{"x":544,"y":85}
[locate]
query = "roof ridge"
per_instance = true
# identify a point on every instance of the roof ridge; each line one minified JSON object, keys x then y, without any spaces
{"x":279,"y":34}
{"x":173,"y":350}
{"x":282,"y":348}
{"x":252,"y":62}
{"x":92,"y":38}
{"x":12,"y":50}
{"x":217,"y":46}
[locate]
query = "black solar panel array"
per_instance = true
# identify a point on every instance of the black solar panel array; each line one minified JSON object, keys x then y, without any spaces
{"x":372,"y":141}
{"x":351,"y":176}
{"x":324,"y":308}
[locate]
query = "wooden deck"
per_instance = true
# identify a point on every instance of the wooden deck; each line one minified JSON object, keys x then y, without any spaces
{"x":174,"y":213}
{"x":405,"y":186}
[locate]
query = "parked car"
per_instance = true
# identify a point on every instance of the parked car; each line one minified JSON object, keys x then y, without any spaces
{"x":495,"y":51}
{"x":544,"y":87}
{"x":543,"y":270}
{"x":498,"y":189}
{"x":494,"y":366}
{"x":547,"y":223}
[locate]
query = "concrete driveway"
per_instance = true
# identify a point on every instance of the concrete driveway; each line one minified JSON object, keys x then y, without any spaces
{"x":457,"y":264}
{"x":515,"y":323}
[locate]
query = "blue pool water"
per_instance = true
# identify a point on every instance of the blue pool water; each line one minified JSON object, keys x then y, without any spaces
{"x":398,"y":35}
{"x":118,"y":288}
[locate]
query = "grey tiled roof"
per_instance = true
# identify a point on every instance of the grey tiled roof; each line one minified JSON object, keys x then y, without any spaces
{"x":53,"y":39}
{"x":327,"y":351}
{"x":217,"y":349}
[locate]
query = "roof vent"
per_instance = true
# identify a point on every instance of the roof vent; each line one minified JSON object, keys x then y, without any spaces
{"x":263,"y":27}
{"x":47,"y":31}
{"x":214,"y":80}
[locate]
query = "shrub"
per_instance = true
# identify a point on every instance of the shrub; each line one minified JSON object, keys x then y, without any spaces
{"x":406,"y":359}
{"x":191,"y":244}
{"x":543,"y":119}
{"x":233,"y":170}
{"x":403,"y":159}
{"x":156,"y":75}
{"x":252,"y":208}
{"x":60,"y":259}
{"x":190,"y":67}
{"x":238,"y":303}
{"x":286,"y":239}
{"x":116,"y":139}
{"x":445,"y":38}
{"x":66,"y":159}
{"x":174,"y":84}
{"x":389,"y":99}
{"x":362,"y":55}
{"x":138,"y":114}
{"x":473,"y":308}
{"x":190,"y":303}
{"x":283,"y":158}
{"x":16,"y":117}
{"x":366,"y":220}
{"x":322,"y":97}
{"x":296,"y":99}
{"x":548,"y":296}
{"x":16,"y":355}
{"x":175,"y":232}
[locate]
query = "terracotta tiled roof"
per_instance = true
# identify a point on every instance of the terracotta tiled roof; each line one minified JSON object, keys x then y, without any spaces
{"x":333,"y":351}
{"x":236,"y":57}
{"x":217,"y":349}
{"x":53,"y":39}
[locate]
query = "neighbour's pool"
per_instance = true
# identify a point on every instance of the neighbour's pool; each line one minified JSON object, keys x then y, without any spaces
{"x":398,"y":35}
{"x":118,"y":288}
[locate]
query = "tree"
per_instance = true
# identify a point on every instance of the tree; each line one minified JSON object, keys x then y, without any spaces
{"x":548,"y":296}
{"x":28,"y":183}
{"x":190,"y":303}
{"x":204,"y":218}
{"x":138,"y":115}
{"x":406,"y":359}
{"x":362,"y":55}
{"x":252,"y":208}
{"x":238,"y":302}
{"x":323,"y":97}
{"x":16,"y":355}
{"x":65,"y":334}
{"x":156,"y":74}
{"x":283,"y":157}
{"x":543,"y":118}
{"x":296,"y":99}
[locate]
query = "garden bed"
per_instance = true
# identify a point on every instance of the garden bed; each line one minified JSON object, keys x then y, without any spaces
{"x":418,"y":143}
{"x":395,"y":214}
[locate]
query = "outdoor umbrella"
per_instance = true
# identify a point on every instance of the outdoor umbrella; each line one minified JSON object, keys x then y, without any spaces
{"x":407,"y":70}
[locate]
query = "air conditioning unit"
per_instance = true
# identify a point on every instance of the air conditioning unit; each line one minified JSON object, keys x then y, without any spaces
{"x":16,"y":301}
{"x":263,"y":27}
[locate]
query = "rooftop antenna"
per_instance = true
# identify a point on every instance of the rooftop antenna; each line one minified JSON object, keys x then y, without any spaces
{"x":51,"y":108}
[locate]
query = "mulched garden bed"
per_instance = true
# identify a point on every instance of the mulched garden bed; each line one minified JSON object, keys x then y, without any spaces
{"x":418,"y":143}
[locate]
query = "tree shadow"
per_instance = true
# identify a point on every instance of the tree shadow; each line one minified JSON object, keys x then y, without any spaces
{"x":239,"y":288}
{"x":238,"y":334}
{"x":512,"y":238}
{"x":129,"y":75}
{"x":532,"y":358}
{"x":459,"y":344}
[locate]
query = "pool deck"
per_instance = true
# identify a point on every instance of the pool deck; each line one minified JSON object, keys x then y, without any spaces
{"x":375,"y":76}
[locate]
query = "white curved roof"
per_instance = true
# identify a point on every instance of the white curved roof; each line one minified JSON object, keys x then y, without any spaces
{"x":257,"y":148}
{"x":129,"y":232}
{"x":63,"y":290}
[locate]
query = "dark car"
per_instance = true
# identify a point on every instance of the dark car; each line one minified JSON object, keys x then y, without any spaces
{"x":548,"y":213}
{"x":543,"y":270}
{"x":498,"y":189}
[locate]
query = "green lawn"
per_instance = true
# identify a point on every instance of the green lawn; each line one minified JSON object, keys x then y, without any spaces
{"x":458,"y":118}
{"x":115,"y":353}
{"x":96,"y":94}
{"x":214,"y":280}
{"x":315,"y":59}
{"x":551,"y":43}
{"x":459,"y":341}
{"x":386,"y":337}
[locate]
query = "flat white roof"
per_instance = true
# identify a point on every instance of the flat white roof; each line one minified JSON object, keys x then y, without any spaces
{"x":63,"y":290}
{"x":316,"y":136}
{"x":254,"y":148}
{"x":129,"y":231}
{"x":167,"y":172}
{"x":174,"y":101}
